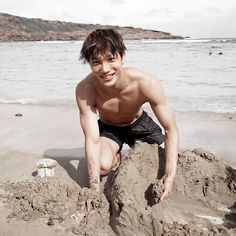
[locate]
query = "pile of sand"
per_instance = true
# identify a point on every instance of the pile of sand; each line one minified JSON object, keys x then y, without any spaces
{"x":58,"y":202}
{"x":202,"y":201}
{"x":204,"y":193}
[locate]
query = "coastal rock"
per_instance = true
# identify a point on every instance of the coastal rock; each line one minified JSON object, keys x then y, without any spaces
{"x":15,"y":28}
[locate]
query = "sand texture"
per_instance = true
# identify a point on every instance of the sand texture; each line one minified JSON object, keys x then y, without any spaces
{"x":203,"y":200}
{"x":58,"y":202}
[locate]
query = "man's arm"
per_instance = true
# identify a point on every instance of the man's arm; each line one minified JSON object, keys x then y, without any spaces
{"x":164,"y":114}
{"x":88,"y":119}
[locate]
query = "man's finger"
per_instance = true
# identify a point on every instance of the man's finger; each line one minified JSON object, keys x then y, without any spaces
{"x":163,"y":178}
{"x":82,"y":206}
{"x":88,"y":205}
{"x":164,"y":195}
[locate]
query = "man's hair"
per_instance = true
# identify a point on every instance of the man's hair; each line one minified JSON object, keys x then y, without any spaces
{"x":102,"y":42}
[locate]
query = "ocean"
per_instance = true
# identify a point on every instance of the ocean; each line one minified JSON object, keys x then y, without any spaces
{"x":197,"y":75}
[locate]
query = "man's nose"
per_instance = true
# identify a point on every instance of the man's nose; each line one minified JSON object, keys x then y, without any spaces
{"x":105,"y":67}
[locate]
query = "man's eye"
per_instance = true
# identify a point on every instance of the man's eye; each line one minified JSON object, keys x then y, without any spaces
{"x":112,"y":59}
{"x":95,"y":62}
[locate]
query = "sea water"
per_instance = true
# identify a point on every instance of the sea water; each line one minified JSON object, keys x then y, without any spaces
{"x":197,"y":75}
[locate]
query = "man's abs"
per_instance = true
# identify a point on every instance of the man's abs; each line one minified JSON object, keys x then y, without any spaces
{"x":118,"y":118}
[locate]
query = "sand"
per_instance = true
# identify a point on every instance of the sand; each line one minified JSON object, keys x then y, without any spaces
{"x":202,"y":201}
{"x":204,"y":190}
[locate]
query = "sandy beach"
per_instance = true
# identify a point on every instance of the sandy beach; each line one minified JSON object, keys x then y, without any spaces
{"x":54,"y":132}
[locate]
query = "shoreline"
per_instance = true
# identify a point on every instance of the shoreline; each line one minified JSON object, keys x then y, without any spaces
{"x":41,"y":128}
{"x":73,"y":105}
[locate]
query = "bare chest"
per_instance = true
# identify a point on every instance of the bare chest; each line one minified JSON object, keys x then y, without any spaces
{"x":115,"y":104}
{"x":120,"y":109}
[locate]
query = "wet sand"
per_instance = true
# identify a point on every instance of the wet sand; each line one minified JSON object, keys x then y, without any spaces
{"x":56,"y":129}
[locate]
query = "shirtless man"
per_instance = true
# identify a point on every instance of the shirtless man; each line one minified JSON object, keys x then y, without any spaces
{"x":116,"y":94}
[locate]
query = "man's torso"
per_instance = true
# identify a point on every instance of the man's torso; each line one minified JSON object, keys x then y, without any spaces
{"x":122,"y":108}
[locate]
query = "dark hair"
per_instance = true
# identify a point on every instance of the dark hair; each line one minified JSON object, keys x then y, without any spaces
{"x":102,"y":41}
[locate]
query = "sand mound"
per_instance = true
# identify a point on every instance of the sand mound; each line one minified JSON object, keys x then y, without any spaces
{"x":58,"y":202}
{"x":203,"y":193}
{"x":202,"y":201}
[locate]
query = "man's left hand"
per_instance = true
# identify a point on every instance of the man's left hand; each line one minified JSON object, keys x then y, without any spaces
{"x":168,"y":182}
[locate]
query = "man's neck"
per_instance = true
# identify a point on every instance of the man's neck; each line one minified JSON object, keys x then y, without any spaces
{"x":121,"y":81}
{"x":119,"y":86}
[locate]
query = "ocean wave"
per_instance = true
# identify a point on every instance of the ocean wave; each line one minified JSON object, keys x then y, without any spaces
{"x":59,"y":42}
{"x":22,"y":101}
{"x":208,"y":84}
{"x":177,"y":104}
{"x":200,"y":108}
{"x":150,"y":41}
{"x":30,"y":101}
{"x":224,"y":40}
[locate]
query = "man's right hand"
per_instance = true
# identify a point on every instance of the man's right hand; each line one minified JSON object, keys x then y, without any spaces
{"x":86,"y":206}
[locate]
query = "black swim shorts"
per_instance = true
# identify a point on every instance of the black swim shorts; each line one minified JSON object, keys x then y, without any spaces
{"x":143,"y":129}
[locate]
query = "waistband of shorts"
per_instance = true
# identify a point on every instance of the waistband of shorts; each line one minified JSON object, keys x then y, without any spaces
{"x":144,"y":114}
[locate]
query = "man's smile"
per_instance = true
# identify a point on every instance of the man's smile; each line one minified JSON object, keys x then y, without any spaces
{"x":108,"y":76}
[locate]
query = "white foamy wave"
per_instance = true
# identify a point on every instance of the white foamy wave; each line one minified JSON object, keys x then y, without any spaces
{"x":197,"y":40}
{"x":59,"y":42}
{"x":187,"y":40}
{"x":175,"y":41}
{"x":52,"y":42}
{"x":22,"y":101}
{"x":233,"y":40}
{"x":216,"y":108}
{"x":30,"y":101}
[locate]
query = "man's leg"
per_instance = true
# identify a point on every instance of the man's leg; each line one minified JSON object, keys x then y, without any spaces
{"x":109,"y":155}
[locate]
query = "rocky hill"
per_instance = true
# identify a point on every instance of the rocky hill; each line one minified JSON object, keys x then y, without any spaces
{"x":15,"y":28}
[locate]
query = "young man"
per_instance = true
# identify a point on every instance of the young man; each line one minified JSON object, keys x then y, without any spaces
{"x":116,"y":94}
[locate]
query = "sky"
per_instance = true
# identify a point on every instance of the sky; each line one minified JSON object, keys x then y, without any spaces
{"x":193,"y":18}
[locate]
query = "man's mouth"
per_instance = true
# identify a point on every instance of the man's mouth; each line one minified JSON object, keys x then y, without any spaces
{"x":108,"y":76}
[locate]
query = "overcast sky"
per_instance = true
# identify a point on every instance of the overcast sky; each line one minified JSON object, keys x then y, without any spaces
{"x":194,"y":18}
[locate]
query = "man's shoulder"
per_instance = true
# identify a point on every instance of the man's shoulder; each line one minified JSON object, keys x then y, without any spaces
{"x":86,"y":85}
{"x":134,"y":72}
{"x":139,"y":75}
{"x":86,"y":82}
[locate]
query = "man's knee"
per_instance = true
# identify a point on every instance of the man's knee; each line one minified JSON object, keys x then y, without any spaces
{"x":106,"y":161}
{"x":108,"y":153}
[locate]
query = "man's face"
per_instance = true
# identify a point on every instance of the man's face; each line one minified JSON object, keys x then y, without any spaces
{"x":106,"y":67}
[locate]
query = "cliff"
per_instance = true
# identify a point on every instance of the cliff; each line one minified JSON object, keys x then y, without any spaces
{"x":15,"y":28}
